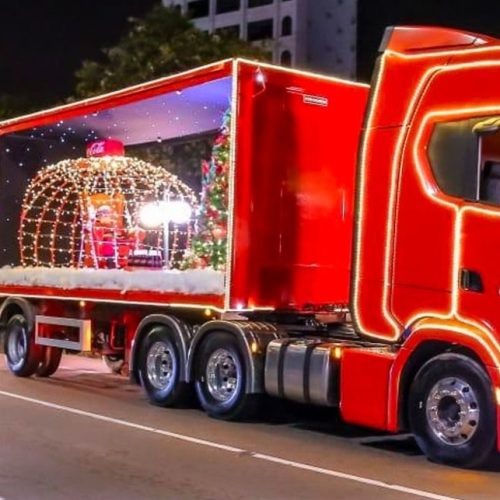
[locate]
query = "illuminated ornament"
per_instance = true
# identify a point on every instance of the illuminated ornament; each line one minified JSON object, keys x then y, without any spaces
{"x":219,"y":232}
{"x":105,"y":211}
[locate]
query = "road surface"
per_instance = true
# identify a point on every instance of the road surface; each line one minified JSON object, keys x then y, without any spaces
{"x":88,"y":434}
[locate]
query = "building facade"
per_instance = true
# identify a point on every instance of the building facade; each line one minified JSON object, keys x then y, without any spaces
{"x":318,"y":35}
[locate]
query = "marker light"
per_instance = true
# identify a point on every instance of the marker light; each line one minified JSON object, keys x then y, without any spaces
{"x":259,"y":77}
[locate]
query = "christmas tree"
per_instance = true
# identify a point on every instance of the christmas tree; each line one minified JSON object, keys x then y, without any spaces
{"x":209,"y":243}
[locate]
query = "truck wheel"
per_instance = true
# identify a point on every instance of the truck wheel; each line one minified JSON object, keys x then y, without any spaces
{"x":159,"y":368}
{"x":50,"y":360}
{"x":452,"y":411}
{"x":220,"y":379}
{"x":23,"y":355}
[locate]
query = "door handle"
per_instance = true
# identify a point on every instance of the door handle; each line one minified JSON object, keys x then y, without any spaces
{"x":471,"y":281}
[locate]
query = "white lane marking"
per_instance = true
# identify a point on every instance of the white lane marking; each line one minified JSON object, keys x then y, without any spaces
{"x":230,"y":449}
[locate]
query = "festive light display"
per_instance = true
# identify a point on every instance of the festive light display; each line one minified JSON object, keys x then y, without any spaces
{"x":209,"y":245}
{"x":85,"y":213}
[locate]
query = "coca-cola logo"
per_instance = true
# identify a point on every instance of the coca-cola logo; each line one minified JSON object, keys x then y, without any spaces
{"x":96,"y":148}
{"x":111,"y":147}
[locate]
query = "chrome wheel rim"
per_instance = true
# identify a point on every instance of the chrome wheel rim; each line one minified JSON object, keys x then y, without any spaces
{"x":17,"y":347}
{"x":161,"y":365}
{"x":223,"y":375}
{"x":452,"y":411}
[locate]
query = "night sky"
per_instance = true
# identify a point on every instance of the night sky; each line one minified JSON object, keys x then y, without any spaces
{"x":42,"y":42}
{"x":480,"y":16}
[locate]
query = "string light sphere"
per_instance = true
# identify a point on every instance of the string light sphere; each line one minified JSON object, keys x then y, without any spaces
{"x":85,"y":213}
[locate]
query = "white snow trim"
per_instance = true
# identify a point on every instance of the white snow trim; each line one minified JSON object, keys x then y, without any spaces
{"x":195,"y":281}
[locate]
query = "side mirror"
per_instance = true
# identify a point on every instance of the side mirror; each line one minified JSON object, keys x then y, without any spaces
{"x":488,"y":127}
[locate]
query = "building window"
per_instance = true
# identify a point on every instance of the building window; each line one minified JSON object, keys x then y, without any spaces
{"x":259,"y":3}
{"x":286,"y":26}
{"x":229,"y":31}
{"x":224,"y":6}
{"x":198,"y":8}
{"x":260,"y":30}
{"x":286,"y":58}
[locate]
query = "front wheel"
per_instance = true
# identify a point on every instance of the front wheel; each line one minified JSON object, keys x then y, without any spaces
{"x":23,"y":355}
{"x":221,"y":379}
{"x":452,"y":411}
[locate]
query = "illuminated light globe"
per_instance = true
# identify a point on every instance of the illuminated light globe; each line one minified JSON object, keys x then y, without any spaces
{"x":153,"y":215}
{"x":105,"y":211}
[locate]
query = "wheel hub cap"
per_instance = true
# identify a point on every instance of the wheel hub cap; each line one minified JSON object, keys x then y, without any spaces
{"x":160,"y":365}
{"x":452,"y":411}
{"x":223,"y":377}
{"x":16,"y":345}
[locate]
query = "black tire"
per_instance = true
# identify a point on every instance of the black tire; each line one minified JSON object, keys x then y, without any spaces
{"x":452,"y":411}
{"x":226,"y":404}
{"x":114,"y":362}
{"x":23,"y":355}
{"x":50,"y":361}
{"x":161,"y":381}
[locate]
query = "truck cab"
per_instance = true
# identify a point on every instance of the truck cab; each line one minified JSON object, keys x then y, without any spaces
{"x":426,"y":271}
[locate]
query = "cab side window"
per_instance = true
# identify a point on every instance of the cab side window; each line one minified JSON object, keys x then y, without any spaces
{"x":490,"y":183}
{"x":489,"y":161}
{"x":453,"y":154}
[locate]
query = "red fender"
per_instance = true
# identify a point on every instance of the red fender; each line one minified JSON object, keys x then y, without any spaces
{"x":477,"y":338}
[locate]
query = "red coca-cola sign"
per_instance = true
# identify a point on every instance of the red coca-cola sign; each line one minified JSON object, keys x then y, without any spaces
{"x":105,"y":147}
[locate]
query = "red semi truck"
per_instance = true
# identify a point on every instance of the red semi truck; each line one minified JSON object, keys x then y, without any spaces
{"x":360,"y":228}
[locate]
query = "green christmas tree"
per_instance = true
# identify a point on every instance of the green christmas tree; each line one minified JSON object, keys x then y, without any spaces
{"x":210,"y":241}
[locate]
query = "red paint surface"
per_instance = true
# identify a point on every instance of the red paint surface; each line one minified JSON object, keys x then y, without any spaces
{"x":364,"y":380}
{"x":294,"y":194}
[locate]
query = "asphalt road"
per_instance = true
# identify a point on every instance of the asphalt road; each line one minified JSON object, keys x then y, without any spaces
{"x":87,"y":434}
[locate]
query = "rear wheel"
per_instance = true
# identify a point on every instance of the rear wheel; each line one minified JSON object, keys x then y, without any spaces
{"x":23,"y":355}
{"x":221,"y":379}
{"x":159,"y":368}
{"x":50,"y":360}
{"x":452,"y":411}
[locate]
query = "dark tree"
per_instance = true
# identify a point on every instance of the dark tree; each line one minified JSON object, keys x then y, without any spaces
{"x":162,"y":43}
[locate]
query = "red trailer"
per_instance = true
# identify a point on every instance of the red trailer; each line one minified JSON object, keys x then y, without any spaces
{"x":329,"y":250}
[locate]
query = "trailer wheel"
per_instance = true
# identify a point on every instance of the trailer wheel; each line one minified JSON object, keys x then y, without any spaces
{"x":23,"y":355}
{"x":159,"y":369}
{"x":452,"y":411}
{"x":50,"y":360}
{"x":220,"y":379}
